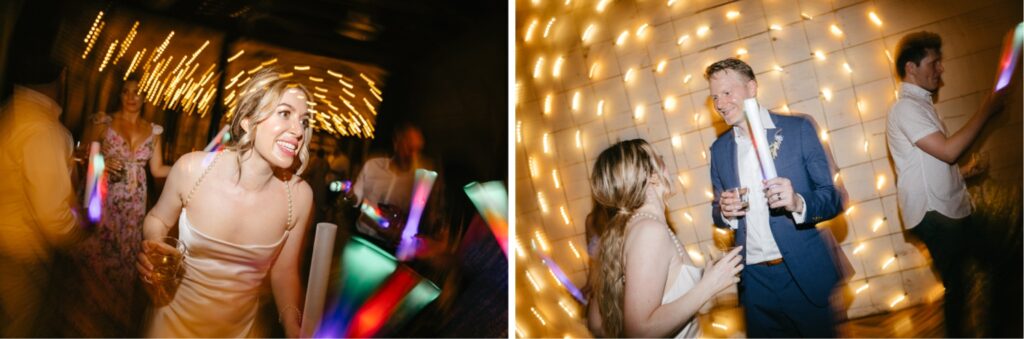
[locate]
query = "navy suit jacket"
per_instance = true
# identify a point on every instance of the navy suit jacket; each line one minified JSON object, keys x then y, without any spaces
{"x":806,"y":251}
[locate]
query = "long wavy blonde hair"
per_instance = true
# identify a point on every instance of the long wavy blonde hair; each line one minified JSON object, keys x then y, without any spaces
{"x":257,"y":101}
{"x":619,"y":184}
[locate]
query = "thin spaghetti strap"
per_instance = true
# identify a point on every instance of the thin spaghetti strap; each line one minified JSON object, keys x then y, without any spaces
{"x":194,"y":187}
{"x":290,"y":225}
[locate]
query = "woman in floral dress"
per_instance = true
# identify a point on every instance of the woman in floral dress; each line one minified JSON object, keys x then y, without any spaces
{"x":111,"y":298}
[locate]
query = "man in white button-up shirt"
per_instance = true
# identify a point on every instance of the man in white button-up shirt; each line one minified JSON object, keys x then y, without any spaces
{"x":933,"y":198}
{"x":792,"y":267}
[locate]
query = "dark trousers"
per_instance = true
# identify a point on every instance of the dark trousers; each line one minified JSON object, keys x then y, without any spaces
{"x":776,"y":307}
{"x":946,"y":241}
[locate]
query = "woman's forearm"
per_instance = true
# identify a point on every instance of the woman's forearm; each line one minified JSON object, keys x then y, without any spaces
{"x":666,"y":320}
{"x":153,"y":228}
{"x":287,"y":295}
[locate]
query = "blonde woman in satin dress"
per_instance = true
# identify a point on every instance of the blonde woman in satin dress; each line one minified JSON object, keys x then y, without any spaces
{"x":242,"y":213}
{"x":641,"y":282}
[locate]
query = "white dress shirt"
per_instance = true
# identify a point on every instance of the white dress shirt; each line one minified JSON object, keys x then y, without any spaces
{"x":924,"y":182}
{"x":760,"y":243}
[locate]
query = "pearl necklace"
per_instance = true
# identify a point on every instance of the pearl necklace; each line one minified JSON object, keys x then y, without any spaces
{"x":675,"y":240}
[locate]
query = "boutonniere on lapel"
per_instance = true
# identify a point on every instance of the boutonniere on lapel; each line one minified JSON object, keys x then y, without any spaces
{"x":776,"y":144}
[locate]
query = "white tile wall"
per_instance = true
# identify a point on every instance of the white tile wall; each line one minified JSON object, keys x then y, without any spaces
{"x":971,"y":30}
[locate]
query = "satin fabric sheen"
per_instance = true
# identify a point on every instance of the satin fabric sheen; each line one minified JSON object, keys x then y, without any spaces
{"x":686,"y":279}
{"x":219,"y":294}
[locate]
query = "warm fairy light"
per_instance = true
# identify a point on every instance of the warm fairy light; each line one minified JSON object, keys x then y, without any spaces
{"x":641,"y":30}
{"x":600,"y":107}
{"x":519,"y":248}
{"x":542,"y":240}
{"x":92,"y":30}
{"x":316,"y":79}
{"x":775,"y":27}
{"x":876,"y":225}
{"x":865,"y":146}
{"x":661,"y":66}
{"x":94,"y":33}
{"x":601,"y":5}
{"x":110,"y":52}
{"x":741,"y":51}
{"x":536,"y":314}
{"x":669,"y":104}
{"x":684,"y":180}
{"x":565,"y":214}
{"x":862,"y":106}
{"x":777,"y":68}
{"x":891,"y":260}
{"x":819,"y":54}
{"x":629,"y":75}
{"x":593,"y":70}
{"x":898,"y":300}
{"x":529,"y":30}
{"x":688,"y":216}
{"x":575,"y":101}
{"x":709,"y":194}
{"x":334,"y":74}
{"x":319,"y":89}
{"x":682,"y":39}
{"x":537,"y":67}
{"x":826,"y":93}
{"x":687,"y":78}
{"x":547,"y":104}
{"x":858,"y":249}
{"x":519,"y":131}
{"x":671,"y":2}
{"x":589,"y":32}
{"x":622,"y":38}
{"x":556,"y":70}
{"x":805,"y":16}
{"x":835,"y":30}
{"x":575,"y":251}
{"x":702,"y":31}
{"x":785,"y":108}
{"x":533,"y":167}
{"x":677,"y":141}
{"x":127,"y":41}
{"x":719,"y":326}
{"x":264,"y":64}
{"x":835,"y":178}
{"x":554,"y":177}
{"x":134,"y":63}
{"x":542,"y":202}
{"x":529,"y":277}
{"x":638,"y":113}
{"x":874,"y":18}
{"x":579,"y":140}
{"x":565,"y":307}
{"x":547,"y":29}
{"x":824,"y":136}
{"x":344,"y":83}
{"x":861,"y":288}
{"x":732,"y":15}
{"x":695,"y":255}
{"x":846,"y":66}
{"x":547,"y":147}
{"x":704,"y":154}
{"x":880,"y":182}
{"x":850,"y":210}
{"x":888,"y":56}
{"x":233,"y":57}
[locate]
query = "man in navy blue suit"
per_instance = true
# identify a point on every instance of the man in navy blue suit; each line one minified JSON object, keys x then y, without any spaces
{"x":791,"y":266}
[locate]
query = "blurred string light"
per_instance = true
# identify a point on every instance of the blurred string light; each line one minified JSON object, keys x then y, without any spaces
{"x":547,"y":29}
{"x":835,"y":30}
{"x":127,"y":41}
{"x":589,"y":32}
{"x":106,"y":57}
{"x":875,"y":19}
{"x":93,"y":34}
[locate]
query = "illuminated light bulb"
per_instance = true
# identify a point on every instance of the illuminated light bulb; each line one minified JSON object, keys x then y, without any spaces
{"x":897,"y":301}
{"x":677,"y":141}
{"x":850,"y":210}
{"x":696,"y":255}
{"x":576,"y":101}
{"x":641,"y":30}
{"x":661,"y":66}
{"x":865,"y":146}
{"x":233,"y":57}
{"x":861,"y":289}
{"x":542,"y":240}
{"x":669,"y":104}
{"x":846,"y":66}
{"x":702,"y":31}
{"x":629,"y":75}
{"x":741,"y":51}
{"x":533,"y":168}
{"x":600,"y":107}
{"x":835,"y":177}
{"x":547,"y":29}
{"x":671,"y":2}
{"x":556,"y":70}
{"x":785,"y":108}
{"x":542,"y":202}
{"x":827,"y":94}
{"x":876,"y":225}
{"x":547,"y":104}
{"x":719,"y":326}
{"x":891,"y":260}
{"x":537,"y":67}
{"x":880,"y":182}
{"x":601,"y":5}
{"x":858,"y":249}
{"x":888,"y":56}
{"x":820,"y":55}
{"x":519,"y":249}
{"x":622,"y":38}
{"x":554,"y":177}
{"x":593,"y":70}
{"x":579,"y":140}
{"x":519,"y":131}
{"x":567,"y":311}
{"x":709,"y":194}
{"x":589,"y":32}
{"x":732,"y":15}
{"x":824,"y":135}
{"x":862,"y":106}
{"x":835,"y":30}
{"x":565,"y":215}
{"x":704,"y":155}
{"x":874,"y":18}
{"x":777,"y":68}
{"x":575,"y":251}
{"x":775,"y":27}
{"x":682,"y":39}
{"x":638,"y":113}
{"x":688,"y":216}
{"x":529,"y":30}
{"x":805,"y":16}
{"x":533,"y":282}
{"x":687,"y":78}
{"x":547,"y":147}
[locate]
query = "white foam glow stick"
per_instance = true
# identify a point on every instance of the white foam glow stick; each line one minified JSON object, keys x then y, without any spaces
{"x":420,"y":192}
{"x":757,"y":133}
{"x":319,"y":270}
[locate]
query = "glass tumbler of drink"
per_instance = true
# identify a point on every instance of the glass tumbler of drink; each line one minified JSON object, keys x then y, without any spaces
{"x":167,"y":260}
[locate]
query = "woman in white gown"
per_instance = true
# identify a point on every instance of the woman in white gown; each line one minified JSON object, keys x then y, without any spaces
{"x":242,"y":213}
{"x":641,"y":282}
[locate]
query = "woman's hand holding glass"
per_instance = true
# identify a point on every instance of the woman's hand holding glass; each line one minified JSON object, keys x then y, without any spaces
{"x":734,"y":203}
{"x":723,"y":273}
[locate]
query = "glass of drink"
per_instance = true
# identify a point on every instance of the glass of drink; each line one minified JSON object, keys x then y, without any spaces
{"x":741,"y":192}
{"x":167,"y":260}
